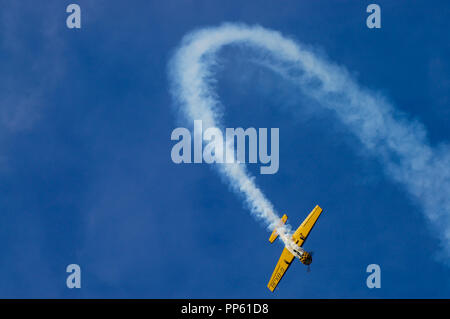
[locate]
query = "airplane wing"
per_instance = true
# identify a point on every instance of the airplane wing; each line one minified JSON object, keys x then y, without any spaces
{"x":281,"y":267}
{"x":303,"y":230}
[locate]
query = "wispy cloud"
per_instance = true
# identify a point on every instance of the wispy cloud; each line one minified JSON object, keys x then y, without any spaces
{"x":31,"y":62}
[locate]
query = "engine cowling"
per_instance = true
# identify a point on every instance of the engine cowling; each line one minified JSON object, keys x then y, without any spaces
{"x":306,"y":258}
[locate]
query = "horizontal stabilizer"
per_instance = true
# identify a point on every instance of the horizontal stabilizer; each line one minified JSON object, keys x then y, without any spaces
{"x":275,"y":233}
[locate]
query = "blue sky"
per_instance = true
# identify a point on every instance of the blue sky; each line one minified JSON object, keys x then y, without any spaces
{"x":87,"y":178}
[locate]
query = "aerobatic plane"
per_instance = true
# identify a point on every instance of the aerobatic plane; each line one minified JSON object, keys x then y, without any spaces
{"x":288,"y":254}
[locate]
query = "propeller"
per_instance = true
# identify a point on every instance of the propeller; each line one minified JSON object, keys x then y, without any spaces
{"x":308,"y":269}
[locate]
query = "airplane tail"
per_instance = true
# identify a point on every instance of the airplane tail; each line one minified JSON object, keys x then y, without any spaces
{"x":275,"y":233}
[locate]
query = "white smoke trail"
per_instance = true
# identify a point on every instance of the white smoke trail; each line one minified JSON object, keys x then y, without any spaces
{"x":400,"y":144}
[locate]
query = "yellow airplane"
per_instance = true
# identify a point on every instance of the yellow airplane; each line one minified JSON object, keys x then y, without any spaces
{"x":288,"y":255}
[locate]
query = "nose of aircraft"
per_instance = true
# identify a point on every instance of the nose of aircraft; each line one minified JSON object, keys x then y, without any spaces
{"x":306,"y":258}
